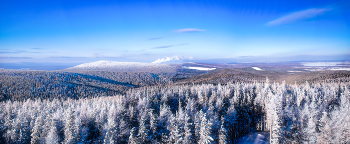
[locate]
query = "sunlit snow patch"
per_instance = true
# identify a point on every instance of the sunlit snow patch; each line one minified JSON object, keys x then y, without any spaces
{"x":257,"y":68}
{"x":198,"y":68}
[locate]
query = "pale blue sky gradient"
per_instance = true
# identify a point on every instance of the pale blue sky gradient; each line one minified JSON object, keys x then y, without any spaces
{"x":143,"y":31}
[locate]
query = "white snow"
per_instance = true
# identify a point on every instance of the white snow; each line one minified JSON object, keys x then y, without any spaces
{"x":294,"y":71}
{"x":104,"y":63}
{"x":313,"y":64}
{"x":198,"y":68}
{"x":257,"y":68}
{"x":255,"y":138}
{"x":125,"y":66}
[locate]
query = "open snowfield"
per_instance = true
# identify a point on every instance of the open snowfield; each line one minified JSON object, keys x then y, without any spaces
{"x":257,"y":68}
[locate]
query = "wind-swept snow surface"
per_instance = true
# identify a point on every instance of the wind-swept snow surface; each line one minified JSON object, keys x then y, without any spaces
{"x":257,"y":68}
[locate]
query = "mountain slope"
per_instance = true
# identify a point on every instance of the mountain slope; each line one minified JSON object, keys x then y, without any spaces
{"x":125,"y":67}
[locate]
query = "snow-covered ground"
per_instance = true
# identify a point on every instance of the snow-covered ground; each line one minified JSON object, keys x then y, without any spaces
{"x":321,"y":63}
{"x":198,"y":68}
{"x":124,"y":66}
{"x":294,"y":71}
{"x":336,"y":68}
{"x":257,"y":68}
{"x":255,"y":138}
{"x":104,"y":63}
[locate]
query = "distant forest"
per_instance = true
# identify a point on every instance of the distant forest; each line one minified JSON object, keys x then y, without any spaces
{"x":22,"y":85}
{"x":189,"y":113}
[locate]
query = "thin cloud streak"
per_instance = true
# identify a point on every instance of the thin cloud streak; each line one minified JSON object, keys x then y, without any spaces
{"x":169,"y":46}
{"x":155,"y":38}
{"x":12,"y":52}
{"x":297,"y":16}
{"x":15,"y":58}
{"x":189,"y":30}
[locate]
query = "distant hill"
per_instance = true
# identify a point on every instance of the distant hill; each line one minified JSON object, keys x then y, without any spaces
{"x":125,"y":67}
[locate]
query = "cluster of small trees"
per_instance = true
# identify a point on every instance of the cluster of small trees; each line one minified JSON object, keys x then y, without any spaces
{"x":186,"y":114}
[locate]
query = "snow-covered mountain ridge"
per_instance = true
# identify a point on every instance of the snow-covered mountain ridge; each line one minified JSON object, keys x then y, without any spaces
{"x":124,"y":66}
{"x":104,"y":63}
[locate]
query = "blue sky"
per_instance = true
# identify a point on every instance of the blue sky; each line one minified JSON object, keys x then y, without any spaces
{"x":75,"y":31}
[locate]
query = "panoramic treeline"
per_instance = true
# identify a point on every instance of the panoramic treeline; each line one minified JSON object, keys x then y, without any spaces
{"x":206,"y":113}
{"x":22,"y":85}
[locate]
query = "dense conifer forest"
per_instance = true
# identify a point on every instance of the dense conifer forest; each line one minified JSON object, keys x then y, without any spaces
{"x":193,"y":113}
{"x":22,"y":85}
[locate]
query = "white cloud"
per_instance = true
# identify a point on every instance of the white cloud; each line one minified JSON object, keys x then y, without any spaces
{"x":172,"y":58}
{"x":296,"y":16}
{"x":187,"y":30}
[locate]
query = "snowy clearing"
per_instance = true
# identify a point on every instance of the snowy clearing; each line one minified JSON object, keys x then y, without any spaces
{"x":199,"y":68}
{"x":257,"y":68}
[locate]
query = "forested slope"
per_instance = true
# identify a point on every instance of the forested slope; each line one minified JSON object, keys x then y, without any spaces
{"x":24,"y":84}
{"x":205,"y":113}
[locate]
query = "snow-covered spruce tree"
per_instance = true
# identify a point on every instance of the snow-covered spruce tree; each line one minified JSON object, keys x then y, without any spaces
{"x":143,"y":129}
{"x":310,"y":131}
{"x":111,"y":127}
{"x":222,"y":133}
{"x":205,"y":128}
{"x":37,"y":130}
{"x":188,"y":136}
{"x":132,"y":138}
{"x":69,"y":135}
{"x":52,"y":136}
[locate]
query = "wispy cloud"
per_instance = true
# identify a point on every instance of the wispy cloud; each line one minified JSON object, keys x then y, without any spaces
{"x":155,"y":38}
{"x":37,"y":48}
{"x":172,"y":58}
{"x":15,"y":57}
{"x":169,"y":46}
{"x":189,"y":30}
{"x":12,"y":52}
{"x":297,"y":16}
{"x":65,"y":57}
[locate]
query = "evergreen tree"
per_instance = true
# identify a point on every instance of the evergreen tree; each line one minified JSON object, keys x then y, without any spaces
{"x":205,"y":133}
{"x":69,"y":135}
{"x":37,"y":130}
{"x":52,"y":136}
{"x":132,"y":138}
{"x":222,"y":133}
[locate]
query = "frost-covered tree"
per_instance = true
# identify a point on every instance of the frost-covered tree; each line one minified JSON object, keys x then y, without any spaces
{"x":52,"y":136}
{"x":36,"y":131}
{"x":222,"y":134}
{"x":205,"y":131}
{"x":69,"y":132}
